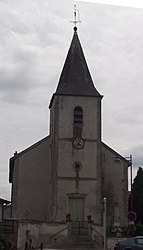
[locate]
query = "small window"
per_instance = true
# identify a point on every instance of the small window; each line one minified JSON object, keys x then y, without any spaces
{"x":78,"y":115}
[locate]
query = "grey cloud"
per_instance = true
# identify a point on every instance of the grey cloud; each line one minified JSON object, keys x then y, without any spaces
{"x":137,"y":152}
{"x":29,"y":49}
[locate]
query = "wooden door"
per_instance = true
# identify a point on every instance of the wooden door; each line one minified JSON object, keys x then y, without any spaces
{"x":76,"y":209}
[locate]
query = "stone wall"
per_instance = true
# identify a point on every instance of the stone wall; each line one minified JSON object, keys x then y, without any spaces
{"x":112,"y":241}
{"x":37,"y":233}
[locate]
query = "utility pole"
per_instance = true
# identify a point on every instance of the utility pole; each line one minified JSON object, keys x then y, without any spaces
{"x":104,"y":223}
{"x":131,"y":168}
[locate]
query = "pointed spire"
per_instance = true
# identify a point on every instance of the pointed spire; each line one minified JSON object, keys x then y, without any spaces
{"x":75,"y":78}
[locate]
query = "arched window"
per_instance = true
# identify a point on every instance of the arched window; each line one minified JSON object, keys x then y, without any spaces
{"x":78,"y":115}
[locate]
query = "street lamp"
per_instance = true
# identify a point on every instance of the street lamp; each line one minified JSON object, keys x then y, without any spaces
{"x":130,"y":159}
{"x":131,"y":168}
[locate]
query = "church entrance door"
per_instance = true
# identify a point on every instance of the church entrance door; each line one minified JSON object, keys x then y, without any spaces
{"x":76,"y":209}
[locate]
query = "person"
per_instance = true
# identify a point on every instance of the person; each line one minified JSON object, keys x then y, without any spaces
{"x":41,"y":246}
{"x":9,"y":245}
{"x":26,"y":246}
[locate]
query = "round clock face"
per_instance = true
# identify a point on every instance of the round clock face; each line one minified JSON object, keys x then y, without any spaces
{"x":78,"y":143}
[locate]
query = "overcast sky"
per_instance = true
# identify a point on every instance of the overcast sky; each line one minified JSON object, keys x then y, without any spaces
{"x":34,"y":39}
{"x":125,"y":3}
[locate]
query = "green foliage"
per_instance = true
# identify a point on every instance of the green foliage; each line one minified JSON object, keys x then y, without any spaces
{"x":137,"y":195}
{"x":3,"y":240}
{"x":139,"y":229}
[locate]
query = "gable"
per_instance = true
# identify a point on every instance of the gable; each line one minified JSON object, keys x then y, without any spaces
{"x":24,"y":152}
{"x":116,"y":156}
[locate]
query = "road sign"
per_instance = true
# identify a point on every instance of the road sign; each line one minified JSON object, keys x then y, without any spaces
{"x":132,"y":216}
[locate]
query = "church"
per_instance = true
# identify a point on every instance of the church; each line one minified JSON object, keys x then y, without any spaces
{"x":63,"y":178}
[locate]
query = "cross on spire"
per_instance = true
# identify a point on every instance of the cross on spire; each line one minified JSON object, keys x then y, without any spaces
{"x":76,"y":18}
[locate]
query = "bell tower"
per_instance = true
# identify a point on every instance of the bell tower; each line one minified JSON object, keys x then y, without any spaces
{"x":75,"y":129}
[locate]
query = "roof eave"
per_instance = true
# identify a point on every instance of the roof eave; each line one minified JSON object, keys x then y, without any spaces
{"x":56,"y":94}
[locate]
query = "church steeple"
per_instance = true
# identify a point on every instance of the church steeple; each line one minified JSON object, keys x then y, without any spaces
{"x":75,"y":78}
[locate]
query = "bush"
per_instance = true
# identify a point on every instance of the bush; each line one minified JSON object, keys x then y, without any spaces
{"x":139,"y":229}
{"x":3,"y":241}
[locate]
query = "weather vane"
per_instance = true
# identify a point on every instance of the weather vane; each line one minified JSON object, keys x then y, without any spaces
{"x":76,"y":16}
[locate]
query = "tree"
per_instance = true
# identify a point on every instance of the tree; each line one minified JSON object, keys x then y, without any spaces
{"x":137,"y":195}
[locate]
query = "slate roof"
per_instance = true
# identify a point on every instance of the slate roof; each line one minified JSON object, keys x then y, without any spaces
{"x":3,"y":201}
{"x":75,"y":78}
{"x":117,"y":155}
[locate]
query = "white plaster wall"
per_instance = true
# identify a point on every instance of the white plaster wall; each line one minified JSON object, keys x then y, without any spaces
{"x":39,"y":233}
{"x":66,"y":111}
{"x":68,"y":155}
{"x":33,"y":232}
{"x":86,"y":187}
{"x":115,"y":185}
{"x":32,"y":186}
{"x":89,"y":155}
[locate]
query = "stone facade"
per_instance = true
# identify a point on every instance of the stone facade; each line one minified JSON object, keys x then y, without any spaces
{"x":30,"y":182}
{"x":68,"y":173}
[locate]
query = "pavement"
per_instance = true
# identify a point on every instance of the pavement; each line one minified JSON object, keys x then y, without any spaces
{"x":70,"y":249}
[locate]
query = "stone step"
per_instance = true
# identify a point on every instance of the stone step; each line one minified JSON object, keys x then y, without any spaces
{"x":75,"y":243}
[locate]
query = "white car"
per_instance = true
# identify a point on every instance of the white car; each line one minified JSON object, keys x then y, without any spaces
{"x":134,"y":243}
